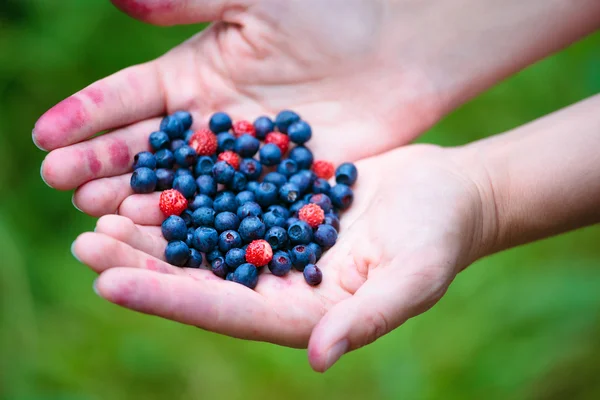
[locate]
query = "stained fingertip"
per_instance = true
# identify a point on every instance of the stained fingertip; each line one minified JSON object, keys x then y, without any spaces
{"x":42,"y":173}
{"x":55,"y":126}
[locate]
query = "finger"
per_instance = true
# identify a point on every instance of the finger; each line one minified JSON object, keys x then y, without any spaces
{"x":102,"y":196}
{"x":142,"y":209}
{"x":212,"y":304}
{"x":131,"y":95}
{"x":147,"y":239}
{"x":104,"y":156}
{"x":171,"y":12}
{"x":382,"y":304}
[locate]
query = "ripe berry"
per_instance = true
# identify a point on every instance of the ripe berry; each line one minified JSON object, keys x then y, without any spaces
{"x":312,"y":275}
{"x":177,"y":253}
{"x":325,"y":236}
{"x":281,"y":264}
{"x":301,"y":255}
{"x":300,"y":233}
{"x":280,"y":139}
{"x":174,"y":228}
{"x":200,"y":200}
{"x":159,"y":140}
{"x":230,"y":158}
{"x":263,"y":125}
{"x":302,"y":156}
{"x":275,"y":178}
{"x":172,"y":126}
{"x":219,"y":122}
{"x":246,"y":274}
{"x":235,"y":257}
{"x":312,"y":214}
{"x":244,"y":197}
{"x":320,"y":185}
{"x":252,"y":228}
{"x":249,"y":209}
{"x":144,"y":159}
{"x":188,"y":135}
{"x":164,"y":179}
{"x":228,"y":240}
{"x":177,"y":143}
{"x":219,"y":267}
{"x":266,"y":194}
{"x":251,"y":168}
{"x":341,"y":196}
{"x":205,"y":239}
{"x":277,"y":237}
{"x":204,"y":142}
{"x":165,"y":159}
{"x":204,"y":166}
{"x":195,"y":259}
{"x":246,"y":145}
{"x":294,"y":208}
{"x":322,"y":200}
{"x":289,"y":193}
{"x":238,"y":182}
{"x":346,"y":174}
{"x":284,"y":119}
{"x":204,"y":216}
{"x":186,"y":185}
{"x":225,"y":141}
{"x":290,"y":221}
{"x":226,"y":221}
{"x":207,"y":185}
{"x":172,"y":202}
{"x":333,"y":220}
{"x":216,"y":253}
{"x":301,"y":181}
{"x":316,"y":249}
{"x":299,"y":132}
{"x":143,"y":180}
{"x":278,"y":210}
{"x":259,"y":253}
{"x":184,"y":117}
{"x":270,"y":219}
{"x":252,"y":186}
{"x":323,"y":169}
{"x":287,"y":167}
{"x":243,"y":127}
{"x":223,"y":172}
{"x":270,"y":154}
{"x":225,"y":201}
{"x":183,"y":171}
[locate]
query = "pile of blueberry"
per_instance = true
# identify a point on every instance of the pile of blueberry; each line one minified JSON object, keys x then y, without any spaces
{"x":244,"y":213}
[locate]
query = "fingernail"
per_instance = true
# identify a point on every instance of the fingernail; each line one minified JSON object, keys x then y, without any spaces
{"x":75,"y":205}
{"x":335,"y":352}
{"x":73,"y":251}
{"x":42,"y":175}
{"x":95,"y":287}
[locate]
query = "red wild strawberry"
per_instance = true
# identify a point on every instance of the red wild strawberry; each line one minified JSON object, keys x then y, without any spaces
{"x":323,"y":169}
{"x":243,"y":127}
{"x":204,"y":142}
{"x":280,"y":139}
{"x":312,"y":214}
{"x":259,"y":253}
{"x":172,"y":202}
{"x":230,"y":158}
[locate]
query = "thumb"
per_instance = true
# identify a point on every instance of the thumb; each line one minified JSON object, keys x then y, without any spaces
{"x":175,"y":12}
{"x":382,"y":304}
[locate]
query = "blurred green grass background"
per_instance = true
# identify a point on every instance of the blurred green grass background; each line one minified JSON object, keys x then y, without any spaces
{"x":524,"y":324}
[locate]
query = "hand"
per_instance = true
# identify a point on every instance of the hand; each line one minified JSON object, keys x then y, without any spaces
{"x":417,"y":220}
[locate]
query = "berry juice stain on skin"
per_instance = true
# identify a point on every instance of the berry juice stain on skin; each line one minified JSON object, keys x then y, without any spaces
{"x":92,"y":161}
{"x":94,"y":94}
{"x":55,"y":126}
{"x":143,"y":8}
{"x":119,"y":154}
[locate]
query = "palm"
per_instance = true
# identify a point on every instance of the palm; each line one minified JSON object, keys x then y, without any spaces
{"x":395,"y":256}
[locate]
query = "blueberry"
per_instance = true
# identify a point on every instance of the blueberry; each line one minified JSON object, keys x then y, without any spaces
{"x":200,"y":200}
{"x":266,"y":194}
{"x":177,"y":144}
{"x":188,"y":135}
{"x":189,"y":238}
{"x":290,"y":221}
{"x":299,"y":132}
{"x":223,"y":172}
{"x":143,"y":180}
{"x":279,"y":210}
{"x":172,"y":126}
{"x":247,"y":275}
{"x":184,"y":117}
{"x":289,"y":193}
{"x":252,"y":228}
{"x":235,"y":257}
{"x":228,"y":240}
{"x":320,"y":185}
{"x":185,"y":156}
{"x":204,"y":216}
{"x":312,"y":275}
{"x":246,"y":145}
{"x":308,"y":174}
{"x":249,"y":209}
{"x":195,"y":259}
{"x":177,"y":253}
{"x":206,"y":185}
{"x":252,"y":186}
{"x":174,"y":228}
{"x":325,"y":236}
{"x":204,"y":166}
{"x":225,"y":201}
{"x":346,"y":174}
{"x":244,"y":197}
{"x":186,"y":215}
{"x":294,"y":208}
{"x":182,"y":171}
{"x":301,"y":256}
{"x":226,"y":221}
{"x":287,"y":167}
{"x":284,"y":119}
{"x":218,"y":267}
{"x":159,"y":140}
{"x":216,"y":253}
{"x":302,"y":156}
{"x":275,"y":178}
{"x":270,"y":219}
{"x":238,"y":183}
{"x":300,"y":233}
{"x":219,"y":122}
{"x":316,"y":249}
{"x":281,"y":264}
{"x":341,"y":196}
{"x":322,"y":200}
{"x":164,"y":179}
{"x":144,"y":159}
{"x":251,"y":168}
{"x":225,"y":141}
{"x":333,"y":220}
{"x":277,"y":237}
{"x":186,"y":185}
{"x":205,"y":239}
{"x":270,"y":154}
{"x":262,"y":126}
{"x":307,"y":197}
{"x":229,"y":277}
{"x":165,"y":159}
{"x":301,"y":181}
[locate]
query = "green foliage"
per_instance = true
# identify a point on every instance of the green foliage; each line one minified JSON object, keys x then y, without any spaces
{"x":521,"y":324}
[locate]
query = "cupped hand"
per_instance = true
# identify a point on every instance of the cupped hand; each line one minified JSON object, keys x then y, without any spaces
{"x":418,"y":218}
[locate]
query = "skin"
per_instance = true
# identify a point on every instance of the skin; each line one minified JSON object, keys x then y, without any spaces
{"x":377,"y":68}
